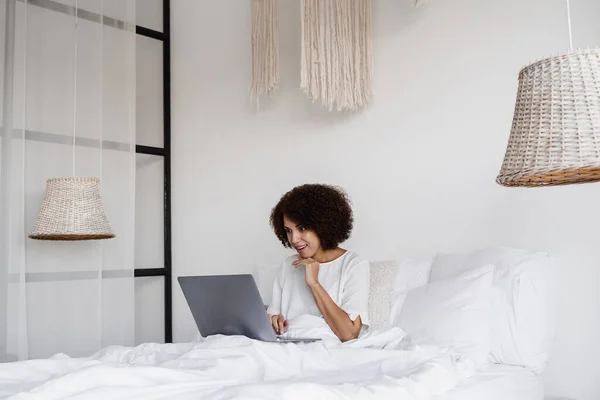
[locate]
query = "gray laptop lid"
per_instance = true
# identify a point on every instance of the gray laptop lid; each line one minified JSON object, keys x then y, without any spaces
{"x":227,"y":305}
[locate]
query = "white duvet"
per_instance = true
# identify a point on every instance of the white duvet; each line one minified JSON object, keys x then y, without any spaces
{"x":375,"y":366}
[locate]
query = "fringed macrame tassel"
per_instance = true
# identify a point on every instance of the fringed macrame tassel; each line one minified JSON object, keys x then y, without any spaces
{"x":336,"y":52}
{"x":265,"y":47}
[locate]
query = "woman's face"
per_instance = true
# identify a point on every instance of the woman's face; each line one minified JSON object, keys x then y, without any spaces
{"x":303,"y":240}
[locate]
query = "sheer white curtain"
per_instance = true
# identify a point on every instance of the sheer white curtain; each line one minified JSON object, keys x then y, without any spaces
{"x":68,"y":109}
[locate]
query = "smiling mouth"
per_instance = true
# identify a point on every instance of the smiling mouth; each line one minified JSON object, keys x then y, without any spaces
{"x":300,"y":248}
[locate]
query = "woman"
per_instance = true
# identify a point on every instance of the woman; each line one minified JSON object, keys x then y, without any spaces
{"x":323,"y":279}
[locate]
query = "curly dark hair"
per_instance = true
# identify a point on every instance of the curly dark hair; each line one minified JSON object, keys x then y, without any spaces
{"x":324,"y":209}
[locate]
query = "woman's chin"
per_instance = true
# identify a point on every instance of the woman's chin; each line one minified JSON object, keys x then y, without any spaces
{"x":304,"y":253}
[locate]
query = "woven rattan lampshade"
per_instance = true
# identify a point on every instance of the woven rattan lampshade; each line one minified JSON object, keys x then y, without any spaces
{"x":72,"y":210}
{"x":555,"y":135}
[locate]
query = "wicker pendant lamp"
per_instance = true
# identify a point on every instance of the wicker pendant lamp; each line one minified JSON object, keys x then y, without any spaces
{"x":72,"y":210}
{"x":555,"y":135}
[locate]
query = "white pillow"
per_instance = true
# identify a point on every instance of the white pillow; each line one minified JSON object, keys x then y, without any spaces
{"x":451,"y":313}
{"x":380,"y":293}
{"x":412,"y":273}
{"x":522,"y":315}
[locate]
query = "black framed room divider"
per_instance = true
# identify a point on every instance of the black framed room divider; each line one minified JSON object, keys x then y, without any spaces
{"x":165,"y":152}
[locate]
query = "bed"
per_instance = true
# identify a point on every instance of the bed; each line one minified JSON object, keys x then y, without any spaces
{"x":498,"y":382}
{"x":224,"y":368}
{"x":452,"y":327}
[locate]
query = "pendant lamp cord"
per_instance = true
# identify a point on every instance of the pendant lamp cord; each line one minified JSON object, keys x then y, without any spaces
{"x":569,"y":22}
{"x":75,"y":81}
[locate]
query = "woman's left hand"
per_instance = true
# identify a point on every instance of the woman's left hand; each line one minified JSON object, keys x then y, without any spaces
{"x":311,"y":268}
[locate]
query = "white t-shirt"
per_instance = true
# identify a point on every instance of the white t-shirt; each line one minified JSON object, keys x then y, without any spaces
{"x":345,"y":279}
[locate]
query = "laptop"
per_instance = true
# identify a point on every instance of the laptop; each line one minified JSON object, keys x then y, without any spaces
{"x":230,"y":305}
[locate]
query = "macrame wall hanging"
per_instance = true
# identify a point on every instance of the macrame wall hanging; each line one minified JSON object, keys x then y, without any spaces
{"x":336,"y":50}
{"x":265,"y":47}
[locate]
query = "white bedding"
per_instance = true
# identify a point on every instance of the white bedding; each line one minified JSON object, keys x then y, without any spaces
{"x":379,"y":365}
{"x":498,"y":382}
{"x":221,"y":367}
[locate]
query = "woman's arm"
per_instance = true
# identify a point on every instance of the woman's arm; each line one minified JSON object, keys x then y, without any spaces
{"x":280,"y":324}
{"x":337,"y":319}
{"x":339,"y":322}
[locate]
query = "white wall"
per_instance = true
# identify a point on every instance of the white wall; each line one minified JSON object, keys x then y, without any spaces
{"x":419,"y":162}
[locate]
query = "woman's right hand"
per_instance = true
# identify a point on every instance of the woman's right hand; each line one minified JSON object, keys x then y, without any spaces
{"x":280,"y":324}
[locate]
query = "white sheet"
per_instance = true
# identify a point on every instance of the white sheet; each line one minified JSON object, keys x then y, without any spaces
{"x":221,"y":367}
{"x":498,"y":382}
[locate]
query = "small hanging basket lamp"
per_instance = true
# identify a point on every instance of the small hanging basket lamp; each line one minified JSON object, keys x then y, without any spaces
{"x":72,"y":210}
{"x":555,"y":135}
